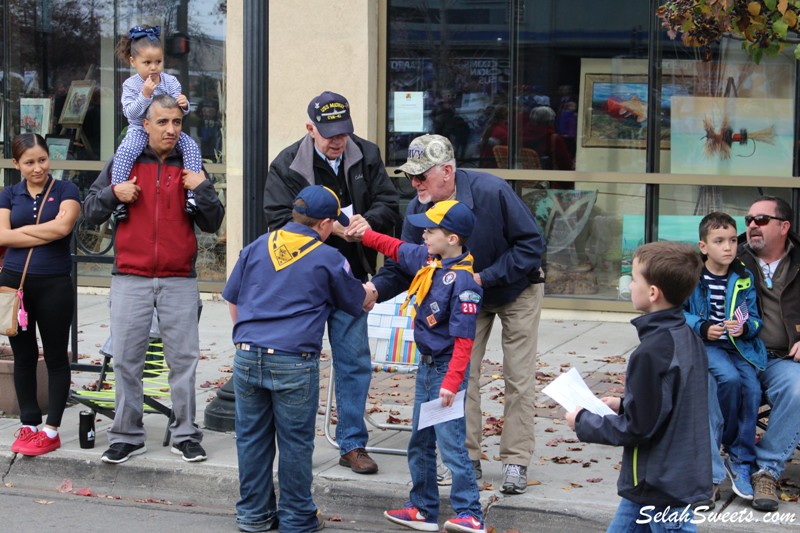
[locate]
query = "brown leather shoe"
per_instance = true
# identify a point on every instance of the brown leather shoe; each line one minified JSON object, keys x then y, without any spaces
{"x":359,"y":461}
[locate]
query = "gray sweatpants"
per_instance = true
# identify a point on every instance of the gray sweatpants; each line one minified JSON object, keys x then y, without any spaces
{"x":132,"y":302}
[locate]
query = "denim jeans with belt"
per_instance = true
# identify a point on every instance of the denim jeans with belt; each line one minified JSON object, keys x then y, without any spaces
{"x":450,"y":437}
{"x":781,"y":383}
{"x":276,"y":401}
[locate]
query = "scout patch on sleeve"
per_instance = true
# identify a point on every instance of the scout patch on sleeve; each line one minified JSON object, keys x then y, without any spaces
{"x":469,"y":302}
{"x":431,"y":320}
{"x":469,"y":296}
{"x":449,"y":278}
{"x":434,"y":307}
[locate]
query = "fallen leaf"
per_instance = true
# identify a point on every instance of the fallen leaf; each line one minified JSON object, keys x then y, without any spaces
{"x":66,"y":486}
{"x":533,"y":483}
{"x":334,"y":518}
{"x":595,"y":480}
{"x":9,"y":485}
{"x":43,"y":502}
{"x":85,"y":492}
{"x":486,"y":486}
{"x":550,"y":430}
{"x":186,"y":504}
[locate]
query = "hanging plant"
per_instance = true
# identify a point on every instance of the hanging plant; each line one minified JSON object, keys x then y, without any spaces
{"x":763,"y":26}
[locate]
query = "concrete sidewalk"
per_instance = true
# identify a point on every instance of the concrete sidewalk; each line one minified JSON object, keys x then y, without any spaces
{"x":573,"y":485}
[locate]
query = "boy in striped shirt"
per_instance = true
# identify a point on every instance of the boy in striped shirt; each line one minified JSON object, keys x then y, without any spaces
{"x":722,"y":310}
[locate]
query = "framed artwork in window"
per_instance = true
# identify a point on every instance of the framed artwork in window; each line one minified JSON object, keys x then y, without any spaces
{"x":34,"y":115}
{"x":77,"y":103}
{"x":59,"y":148}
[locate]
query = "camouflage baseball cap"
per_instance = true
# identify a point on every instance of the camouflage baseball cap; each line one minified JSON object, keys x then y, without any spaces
{"x":425,"y":152}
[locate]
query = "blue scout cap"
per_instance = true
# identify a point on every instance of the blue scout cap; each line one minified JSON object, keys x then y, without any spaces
{"x":330,"y":113}
{"x":321,"y":202}
{"x":448,"y":214}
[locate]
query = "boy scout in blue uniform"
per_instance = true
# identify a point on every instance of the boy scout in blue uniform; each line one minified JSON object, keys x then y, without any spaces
{"x":281,"y":292}
{"x":447,"y":300}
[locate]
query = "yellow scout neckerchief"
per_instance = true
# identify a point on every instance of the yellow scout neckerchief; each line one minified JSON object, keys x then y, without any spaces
{"x":422,"y":282}
{"x":286,"y":247}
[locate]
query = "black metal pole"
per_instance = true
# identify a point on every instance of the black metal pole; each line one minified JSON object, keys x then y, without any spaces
{"x":256,"y":82}
{"x":653,"y":155}
{"x":220,"y":414}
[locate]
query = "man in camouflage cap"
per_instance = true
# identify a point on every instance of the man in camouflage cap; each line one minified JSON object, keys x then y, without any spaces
{"x":507,"y":247}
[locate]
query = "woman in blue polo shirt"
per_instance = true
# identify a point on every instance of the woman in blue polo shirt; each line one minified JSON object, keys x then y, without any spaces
{"x":48,"y":295}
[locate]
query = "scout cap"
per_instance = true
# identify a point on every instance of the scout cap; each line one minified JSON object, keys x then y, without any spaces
{"x":448,"y":214}
{"x":321,"y":202}
{"x":330,"y":113}
{"x":425,"y":152}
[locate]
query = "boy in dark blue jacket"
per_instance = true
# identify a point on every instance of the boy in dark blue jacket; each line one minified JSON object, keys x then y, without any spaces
{"x":662,"y":420}
{"x":722,"y":310}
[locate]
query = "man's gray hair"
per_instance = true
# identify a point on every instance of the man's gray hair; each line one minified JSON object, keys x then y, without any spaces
{"x":164,"y":101}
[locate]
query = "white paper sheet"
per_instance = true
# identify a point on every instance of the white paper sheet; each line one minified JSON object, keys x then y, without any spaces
{"x":571,"y":392}
{"x":432,"y":412}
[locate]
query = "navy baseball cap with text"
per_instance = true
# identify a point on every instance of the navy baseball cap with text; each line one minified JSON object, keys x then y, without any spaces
{"x":447,"y":214}
{"x":330,"y":113}
{"x":321,"y":202}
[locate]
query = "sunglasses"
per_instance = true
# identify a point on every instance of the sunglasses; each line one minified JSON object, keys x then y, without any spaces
{"x":760,"y":220}
{"x":419,"y":177}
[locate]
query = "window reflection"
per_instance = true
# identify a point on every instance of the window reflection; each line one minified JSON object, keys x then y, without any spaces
{"x":62,"y":80}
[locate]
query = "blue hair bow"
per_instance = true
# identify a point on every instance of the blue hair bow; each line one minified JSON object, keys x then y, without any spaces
{"x":137,"y":32}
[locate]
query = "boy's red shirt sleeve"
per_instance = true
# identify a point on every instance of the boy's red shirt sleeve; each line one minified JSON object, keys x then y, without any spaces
{"x":462,"y":351}
{"x":385,"y":244}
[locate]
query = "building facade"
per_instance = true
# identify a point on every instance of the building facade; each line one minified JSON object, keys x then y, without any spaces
{"x":611,"y":132}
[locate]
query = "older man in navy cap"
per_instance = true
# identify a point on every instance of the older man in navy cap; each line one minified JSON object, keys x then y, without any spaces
{"x":331,"y":155}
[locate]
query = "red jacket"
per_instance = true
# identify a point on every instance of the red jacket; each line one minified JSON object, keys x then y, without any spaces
{"x":158,"y":239}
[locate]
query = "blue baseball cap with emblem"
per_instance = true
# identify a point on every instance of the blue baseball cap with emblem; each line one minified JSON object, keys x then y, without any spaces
{"x":321,"y":202}
{"x":330,"y":113}
{"x":448,"y":214}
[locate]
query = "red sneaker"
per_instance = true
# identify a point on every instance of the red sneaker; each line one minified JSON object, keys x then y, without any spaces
{"x":23,"y":435}
{"x":40,"y":444}
{"x":410,"y":516}
{"x":464,"y":523}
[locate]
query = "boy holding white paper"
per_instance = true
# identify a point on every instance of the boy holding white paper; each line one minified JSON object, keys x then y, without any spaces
{"x":446,"y":304}
{"x":662,"y":420}
{"x":723,"y":311}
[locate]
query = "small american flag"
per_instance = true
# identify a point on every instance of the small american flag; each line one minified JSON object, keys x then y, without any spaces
{"x":741,"y":314}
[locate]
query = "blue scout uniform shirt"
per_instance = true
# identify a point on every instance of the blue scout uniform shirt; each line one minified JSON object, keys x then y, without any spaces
{"x":287,"y":310}
{"x":450,"y":308}
{"x":53,"y":258}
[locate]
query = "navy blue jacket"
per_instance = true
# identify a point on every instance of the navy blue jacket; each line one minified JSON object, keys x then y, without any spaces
{"x":287,"y":310}
{"x":506,"y":243}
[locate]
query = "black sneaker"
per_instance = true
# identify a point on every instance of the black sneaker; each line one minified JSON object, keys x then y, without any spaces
{"x":119,"y":452}
{"x":190,"y":450}
{"x":120,"y":213}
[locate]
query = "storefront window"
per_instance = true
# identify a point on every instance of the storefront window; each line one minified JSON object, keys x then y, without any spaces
{"x":61,"y":79}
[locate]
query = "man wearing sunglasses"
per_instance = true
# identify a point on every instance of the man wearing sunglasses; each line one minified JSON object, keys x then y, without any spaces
{"x":772,"y":253}
{"x":507,"y":247}
{"x":331,"y":155}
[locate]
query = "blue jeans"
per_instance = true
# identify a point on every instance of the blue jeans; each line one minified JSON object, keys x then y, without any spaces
{"x":352,"y":366}
{"x":715,"y":423}
{"x":450,"y":436}
{"x":673,"y":519}
{"x":739,"y":394}
{"x":781,"y":382}
{"x":276,"y":399}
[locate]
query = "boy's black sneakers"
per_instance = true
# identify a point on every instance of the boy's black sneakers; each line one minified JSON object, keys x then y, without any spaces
{"x":119,"y":452}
